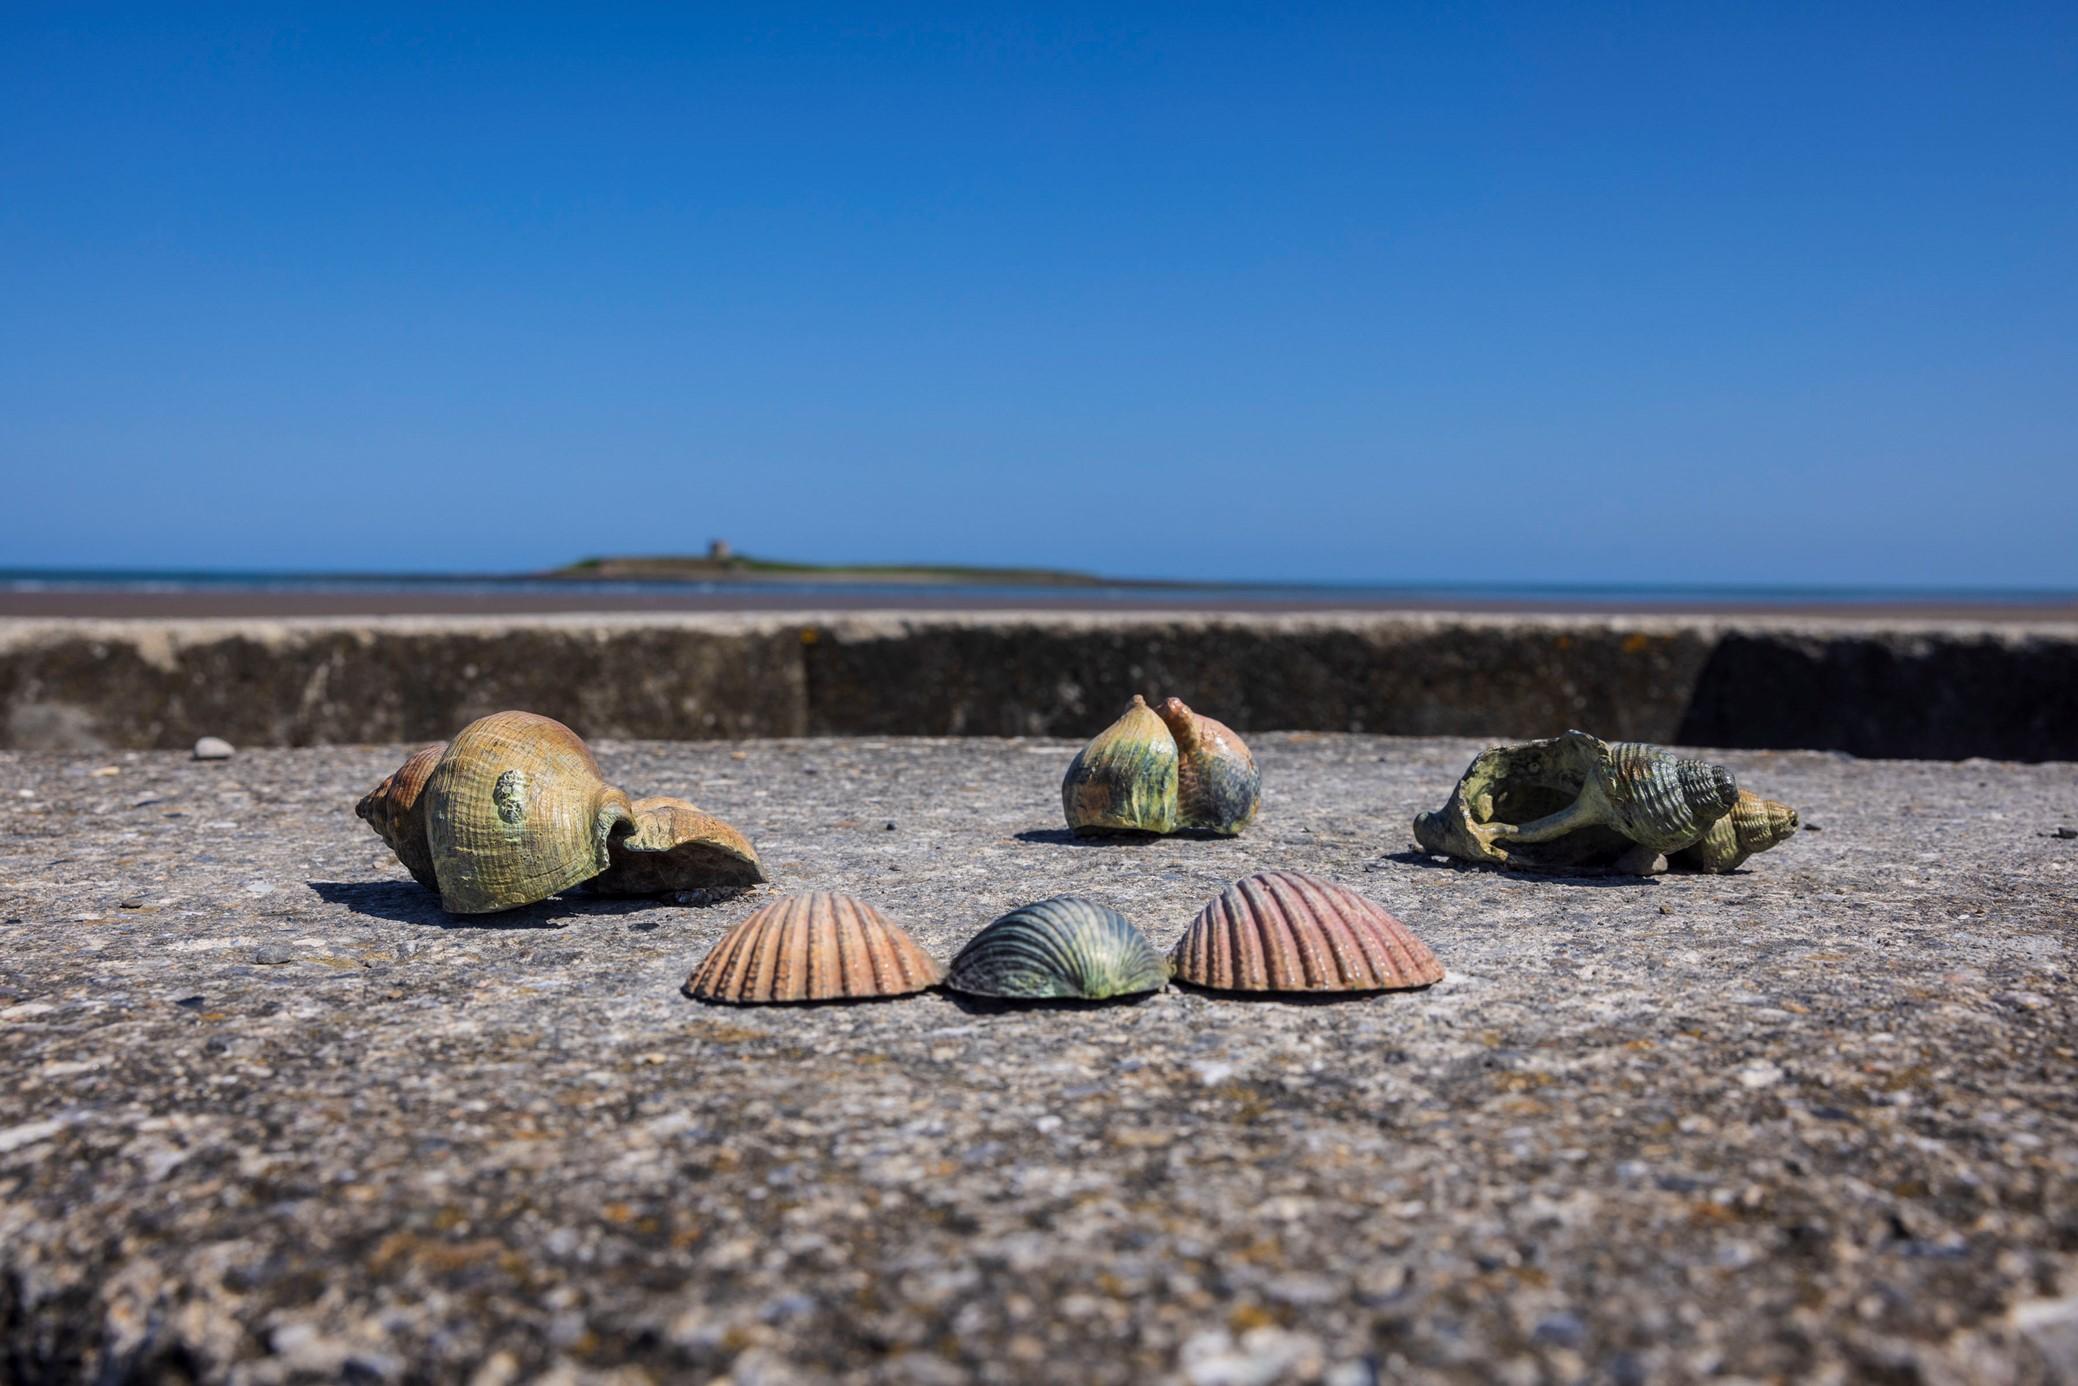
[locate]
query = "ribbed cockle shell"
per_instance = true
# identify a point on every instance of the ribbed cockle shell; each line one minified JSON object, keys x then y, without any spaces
{"x":1281,"y":931}
{"x":516,"y":811}
{"x":677,"y":847}
{"x":1063,"y":948}
{"x":393,"y":809}
{"x":1754,"y":825}
{"x":815,"y":947}
{"x":1125,"y":779}
{"x":1218,"y":787}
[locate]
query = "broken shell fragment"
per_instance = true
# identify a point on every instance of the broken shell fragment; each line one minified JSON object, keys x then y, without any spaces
{"x":1218,"y":787}
{"x":1282,"y":931}
{"x":1125,"y":779}
{"x":1577,"y":803}
{"x":393,"y":809}
{"x":516,"y":811}
{"x":1059,"y":948}
{"x":677,"y":847}
{"x":820,"y":946}
{"x":1754,"y":825}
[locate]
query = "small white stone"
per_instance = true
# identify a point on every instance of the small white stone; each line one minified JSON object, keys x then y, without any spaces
{"x":1760,"y":1075}
{"x":213,"y":748}
{"x":15,"y":1137}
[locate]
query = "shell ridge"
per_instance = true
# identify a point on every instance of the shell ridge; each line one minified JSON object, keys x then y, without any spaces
{"x":1331,"y":919}
{"x":1277,"y":960}
{"x":1295,"y":950}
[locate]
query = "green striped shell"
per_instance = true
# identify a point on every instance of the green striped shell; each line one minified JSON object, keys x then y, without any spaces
{"x":1662,"y":800}
{"x":1063,"y":947}
{"x":1125,"y":779}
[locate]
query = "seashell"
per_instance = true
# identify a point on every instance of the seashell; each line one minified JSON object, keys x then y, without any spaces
{"x":516,"y":811}
{"x":1063,"y":947}
{"x":677,"y":847}
{"x":1281,"y":931}
{"x":392,"y":808}
{"x":1754,"y":825}
{"x":815,"y":947}
{"x":1577,"y":803}
{"x":1125,"y":779}
{"x":1218,"y":787}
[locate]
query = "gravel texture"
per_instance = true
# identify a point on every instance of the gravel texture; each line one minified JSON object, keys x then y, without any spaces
{"x":267,"y":1114}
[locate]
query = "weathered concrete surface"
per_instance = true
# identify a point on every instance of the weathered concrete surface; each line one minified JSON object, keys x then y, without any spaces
{"x":267,"y":1114}
{"x":1942,"y":690}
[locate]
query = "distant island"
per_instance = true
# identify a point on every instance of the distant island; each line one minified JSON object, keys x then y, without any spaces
{"x":722,"y":564}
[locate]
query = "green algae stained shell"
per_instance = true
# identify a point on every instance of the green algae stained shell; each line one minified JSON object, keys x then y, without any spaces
{"x":1218,"y":788}
{"x":516,"y":811}
{"x":1125,"y":779}
{"x":1577,"y":803}
{"x":1064,"y":948}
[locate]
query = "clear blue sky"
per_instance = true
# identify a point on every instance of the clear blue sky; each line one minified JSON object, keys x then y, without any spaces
{"x":1737,"y":292}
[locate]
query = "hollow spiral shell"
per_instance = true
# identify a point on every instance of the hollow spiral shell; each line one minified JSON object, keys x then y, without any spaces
{"x":820,"y":946}
{"x":1754,"y":825}
{"x":1218,"y":788}
{"x":1064,"y":948}
{"x":1283,"y":931}
{"x":1125,"y":779}
{"x":516,"y":811}
{"x":1577,"y":803}
{"x":393,"y":809}
{"x":675,"y":846}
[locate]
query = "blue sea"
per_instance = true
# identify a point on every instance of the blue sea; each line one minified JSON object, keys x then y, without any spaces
{"x":810,"y":591}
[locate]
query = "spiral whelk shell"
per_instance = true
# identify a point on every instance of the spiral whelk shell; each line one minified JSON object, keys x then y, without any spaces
{"x":1577,"y":803}
{"x":1065,"y":948}
{"x":1283,"y":931}
{"x":514,"y":810}
{"x":394,"y":809}
{"x":1754,"y":825}
{"x":673,"y":847}
{"x":1156,"y":770}
{"x":820,"y":946}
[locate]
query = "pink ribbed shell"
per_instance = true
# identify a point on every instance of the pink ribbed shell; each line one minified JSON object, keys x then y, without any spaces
{"x":815,"y":947}
{"x":1281,"y":931}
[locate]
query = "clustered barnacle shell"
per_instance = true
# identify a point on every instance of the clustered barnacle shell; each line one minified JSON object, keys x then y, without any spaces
{"x":1157,"y":770}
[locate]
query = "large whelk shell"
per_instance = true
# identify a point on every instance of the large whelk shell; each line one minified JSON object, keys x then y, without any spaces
{"x":1576,"y":803}
{"x":677,"y":847}
{"x":816,"y":947}
{"x":1063,"y":947}
{"x":1754,"y":825}
{"x":1125,"y":779}
{"x":1218,"y":787}
{"x":1281,"y":931}
{"x":395,"y":810}
{"x":516,"y":811}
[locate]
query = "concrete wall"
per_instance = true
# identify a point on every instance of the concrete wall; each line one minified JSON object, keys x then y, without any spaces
{"x":1929,"y":690}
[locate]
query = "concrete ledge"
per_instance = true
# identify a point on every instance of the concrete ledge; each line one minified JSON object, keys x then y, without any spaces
{"x":1931,"y":690}
{"x":268,"y":1116}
